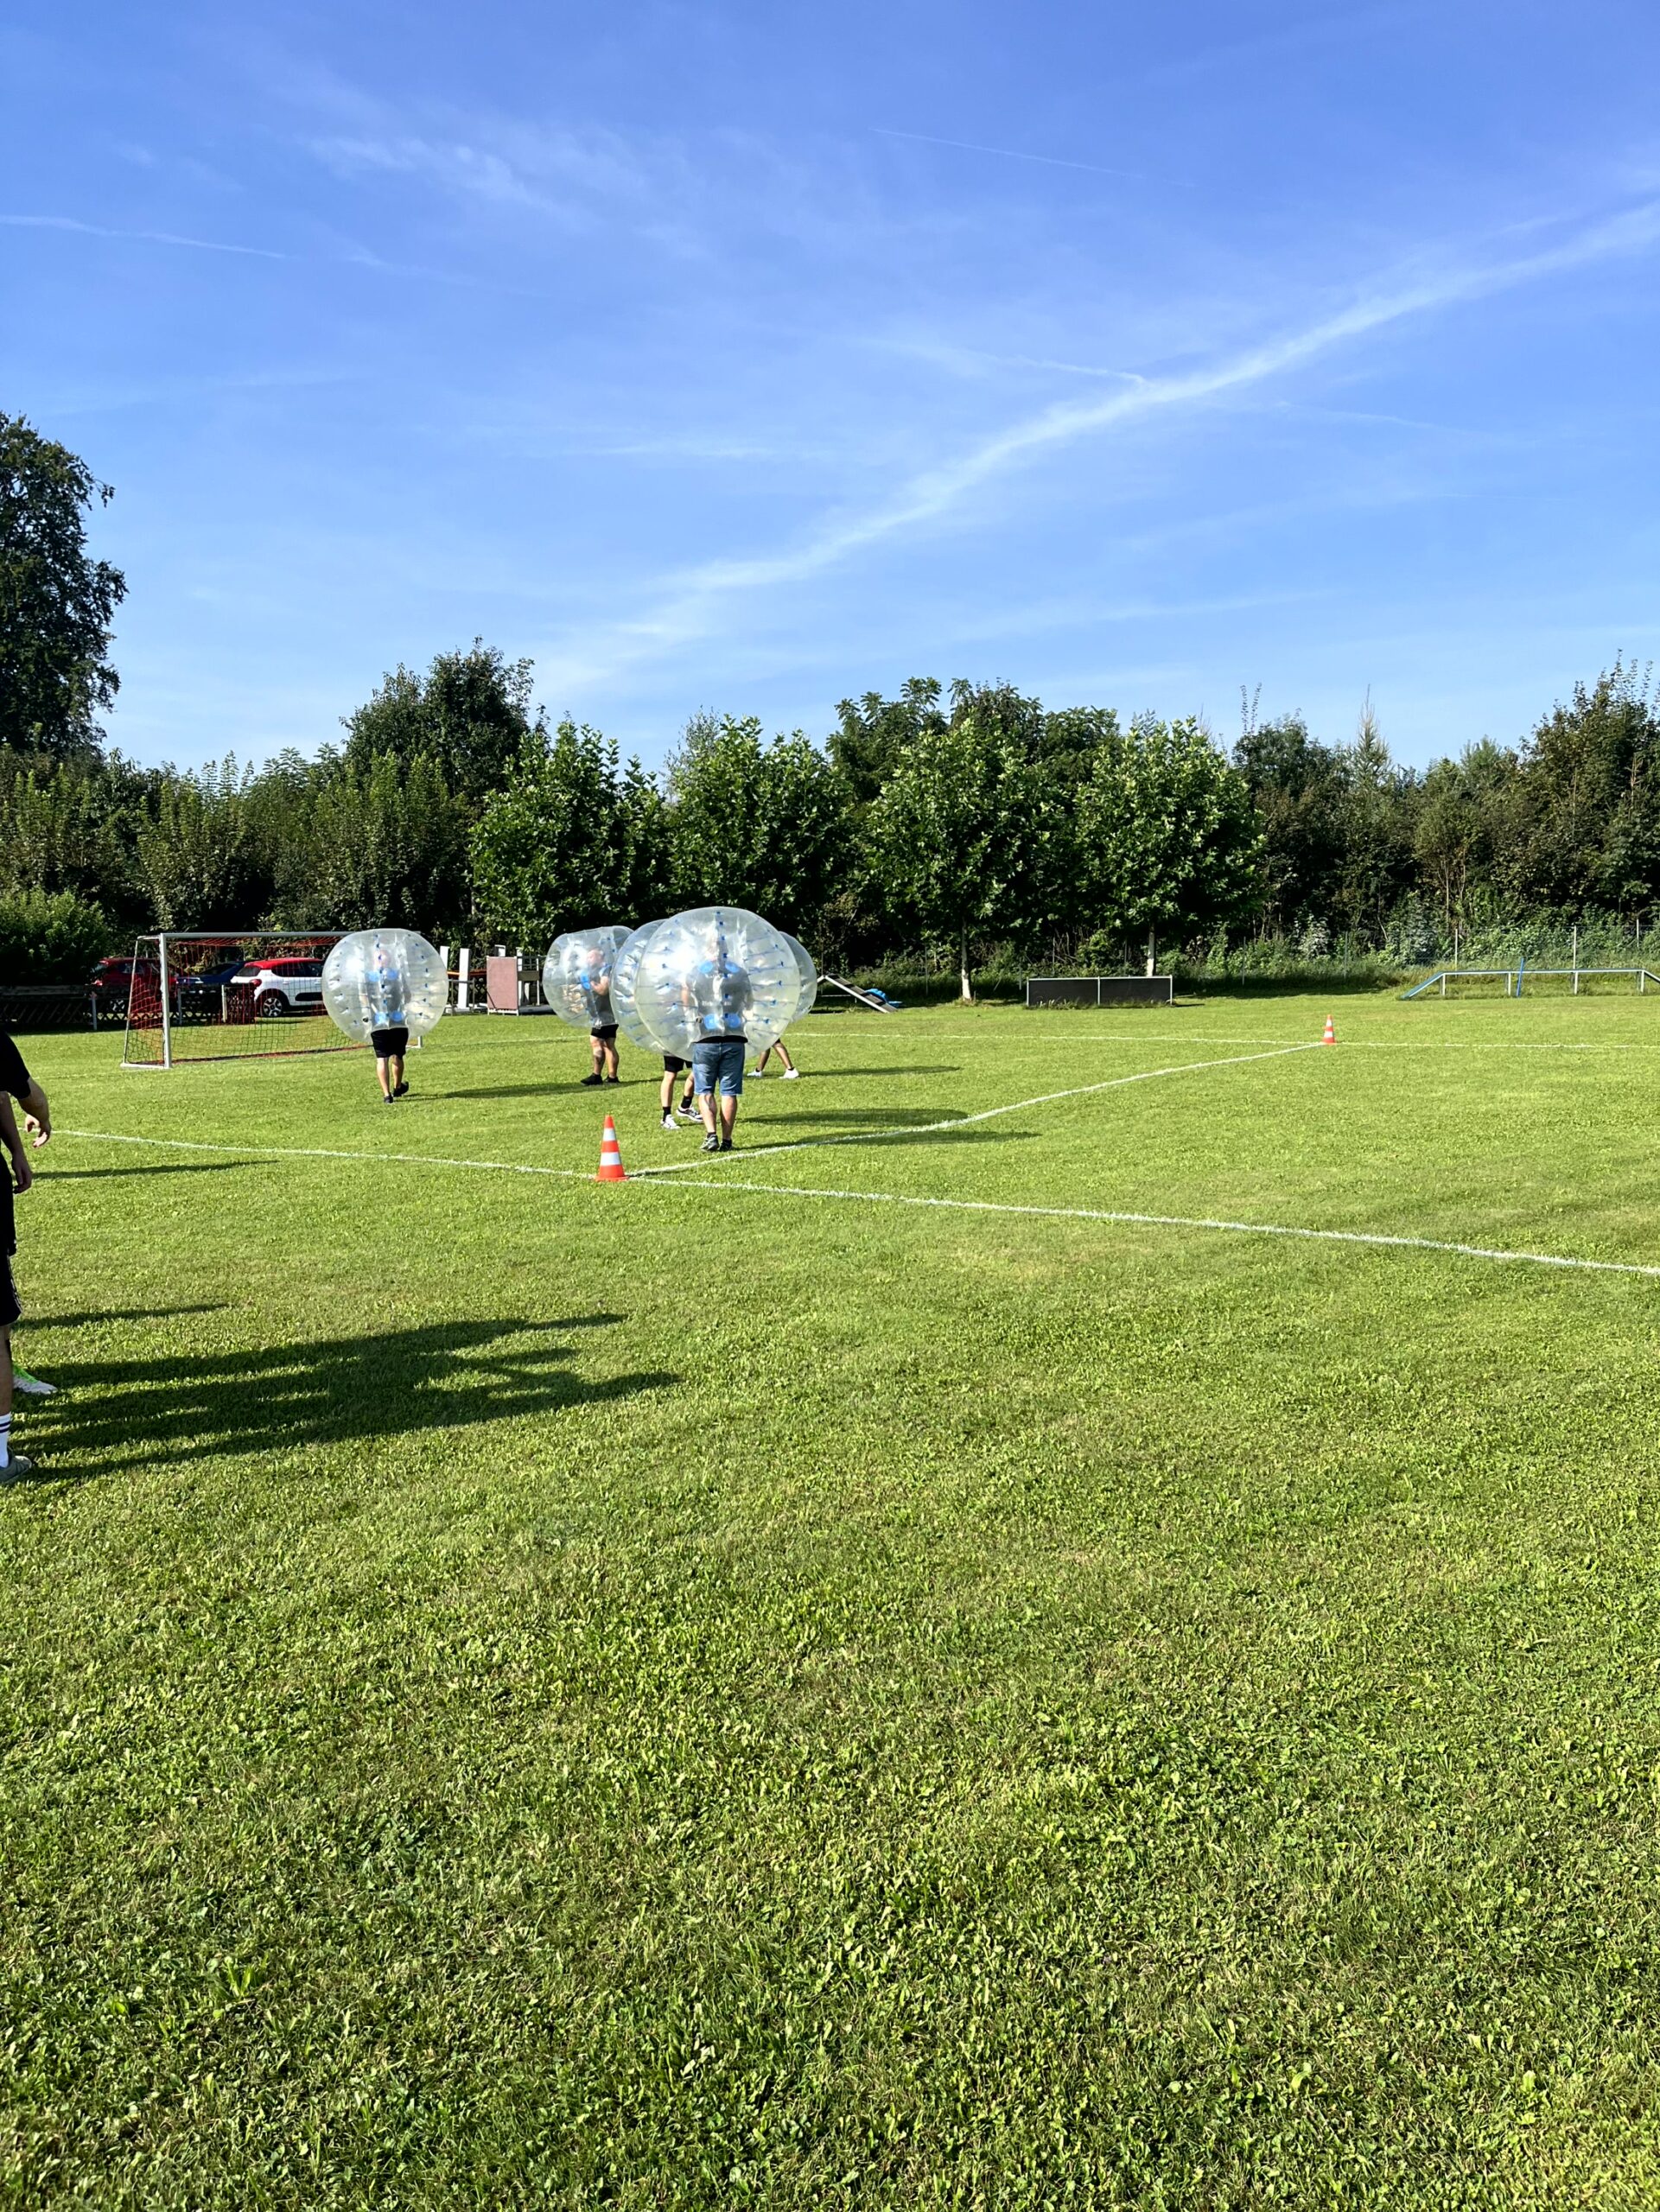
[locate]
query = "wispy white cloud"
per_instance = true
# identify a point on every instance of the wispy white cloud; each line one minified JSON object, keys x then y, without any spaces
{"x":150,"y":237}
{"x":973,"y":360}
{"x":690,"y":602}
{"x":346,"y":255}
{"x":1001,"y":153}
{"x":554,"y":173}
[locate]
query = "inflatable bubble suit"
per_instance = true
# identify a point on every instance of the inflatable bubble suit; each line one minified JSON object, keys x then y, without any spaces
{"x":718,"y":971}
{"x":577,"y":973}
{"x":624,"y":972}
{"x":806,"y":971}
{"x":384,"y":979}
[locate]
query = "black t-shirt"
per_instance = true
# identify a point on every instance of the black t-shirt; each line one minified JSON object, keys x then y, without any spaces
{"x":13,"y":1076}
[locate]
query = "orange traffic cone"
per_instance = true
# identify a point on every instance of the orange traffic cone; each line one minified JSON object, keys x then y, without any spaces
{"x":1330,"y":1038}
{"x":610,"y":1156}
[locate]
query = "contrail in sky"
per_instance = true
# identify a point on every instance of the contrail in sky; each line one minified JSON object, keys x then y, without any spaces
{"x":1002,"y":153}
{"x":688,"y":599}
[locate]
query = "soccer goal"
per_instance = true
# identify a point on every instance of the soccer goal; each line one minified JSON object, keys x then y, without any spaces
{"x":194,"y":996}
{"x":1532,"y":982}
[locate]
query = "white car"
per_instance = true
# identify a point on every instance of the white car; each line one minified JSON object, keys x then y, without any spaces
{"x":284,"y":986}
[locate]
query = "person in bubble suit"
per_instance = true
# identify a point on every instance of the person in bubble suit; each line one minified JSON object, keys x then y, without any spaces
{"x":389,"y":1045}
{"x":602,"y":1037}
{"x":718,"y":993}
{"x":674,"y":1070}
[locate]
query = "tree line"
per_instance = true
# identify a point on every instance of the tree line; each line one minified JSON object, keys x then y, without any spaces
{"x":945,"y":824}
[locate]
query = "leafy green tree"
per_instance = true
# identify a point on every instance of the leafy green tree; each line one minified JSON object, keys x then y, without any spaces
{"x":470,"y":714}
{"x":197,"y":857}
{"x":1297,"y":787}
{"x":1168,"y":840}
{"x":872,"y":734}
{"x":570,"y":842}
{"x":962,"y":837}
{"x":763,"y":825}
{"x":1591,"y":781}
{"x":386,"y":843}
{"x":68,"y":825}
{"x":1069,"y":739}
{"x":1465,"y":827}
{"x":1377,"y":816}
{"x":56,"y":603}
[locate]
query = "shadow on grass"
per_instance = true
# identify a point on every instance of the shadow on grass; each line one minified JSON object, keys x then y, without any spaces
{"x":161,"y":1168}
{"x":447,"y":1377}
{"x":532,"y":1090}
{"x":122,"y":1313}
{"x":885,"y":1117}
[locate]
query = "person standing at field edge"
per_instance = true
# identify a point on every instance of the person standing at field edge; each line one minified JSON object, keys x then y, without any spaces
{"x":16,"y":1082}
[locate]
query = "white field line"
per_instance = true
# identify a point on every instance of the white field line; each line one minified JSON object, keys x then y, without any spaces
{"x":1051,"y":1038}
{"x":1187,"y":1221}
{"x":899,"y":1198}
{"x":988,"y":1112}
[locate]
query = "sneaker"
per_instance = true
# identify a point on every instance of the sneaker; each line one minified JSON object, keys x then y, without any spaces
{"x":17,"y":1468}
{"x":31,"y":1385}
{"x":689,"y":1113}
{"x":669,"y":1121}
{"x":400,"y":1090}
{"x":791,"y":1075}
{"x":613,"y":1078}
{"x":726,"y":1144}
{"x":388,"y":1100}
{"x":592,"y":1082}
{"x":756,"y":1074}
{"x":711,"y":1143}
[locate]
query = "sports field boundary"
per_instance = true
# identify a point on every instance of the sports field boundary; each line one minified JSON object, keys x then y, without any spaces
{"x":1214,"y":1224}
{"x":986,"y":1114}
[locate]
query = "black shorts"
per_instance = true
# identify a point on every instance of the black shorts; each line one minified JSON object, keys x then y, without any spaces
{"x":389,"y":1044}
{"x":10,"y":1309}
{"x":673,"y":1067}
{"x":605,"y":1031}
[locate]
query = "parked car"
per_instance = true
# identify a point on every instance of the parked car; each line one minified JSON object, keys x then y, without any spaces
{"x":283,"y":986}
{"x":114,"y":980}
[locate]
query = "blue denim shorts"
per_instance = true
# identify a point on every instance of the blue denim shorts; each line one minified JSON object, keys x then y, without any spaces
{"x":717,"y":1067}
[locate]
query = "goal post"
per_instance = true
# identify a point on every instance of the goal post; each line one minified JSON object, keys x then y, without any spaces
{"x":219,"y":995}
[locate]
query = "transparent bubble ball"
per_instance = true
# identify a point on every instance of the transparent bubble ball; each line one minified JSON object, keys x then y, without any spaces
{"x":806,"y":971}
{"x":716,"y":971}
{"x":576,"y":975}
{"x":384,"y":979}
{"x":625,"y":972}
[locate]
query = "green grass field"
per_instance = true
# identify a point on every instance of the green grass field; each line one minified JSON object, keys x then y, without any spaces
{"x":734,"y":1690}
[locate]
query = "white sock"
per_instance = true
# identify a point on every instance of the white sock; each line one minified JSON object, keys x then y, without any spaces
{"x":5,"y":1439}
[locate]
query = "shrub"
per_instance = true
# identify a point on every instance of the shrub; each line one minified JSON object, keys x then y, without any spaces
{"x":50,"y":936}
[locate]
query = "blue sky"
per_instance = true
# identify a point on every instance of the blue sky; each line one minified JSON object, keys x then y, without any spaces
{"x":743,"y":357}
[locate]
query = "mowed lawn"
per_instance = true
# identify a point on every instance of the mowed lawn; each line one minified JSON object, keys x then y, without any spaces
{"x":700,"y":1693}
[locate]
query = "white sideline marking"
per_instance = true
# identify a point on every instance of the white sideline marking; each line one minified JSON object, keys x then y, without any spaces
{"x":1348,"y":1044}
{"x":1193,"y":1221}
{"x":902,"y":1198}
{"x":988,"y":1112}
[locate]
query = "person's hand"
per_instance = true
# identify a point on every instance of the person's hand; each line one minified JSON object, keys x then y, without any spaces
{"x":21,"y":1174}
{"x":40,"y":1127}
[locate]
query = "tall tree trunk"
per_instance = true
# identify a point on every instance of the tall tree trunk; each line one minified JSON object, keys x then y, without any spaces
{"x":963,"y":965}
{"x":1152,"y":952}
